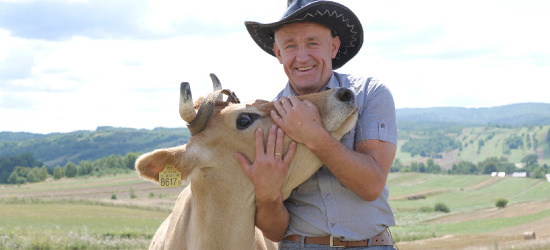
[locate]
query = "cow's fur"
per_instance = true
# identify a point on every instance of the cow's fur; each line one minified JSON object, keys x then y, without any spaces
{"x":217,"y":209}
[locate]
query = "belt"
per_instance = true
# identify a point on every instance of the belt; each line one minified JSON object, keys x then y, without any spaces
{"x":382,"y":239}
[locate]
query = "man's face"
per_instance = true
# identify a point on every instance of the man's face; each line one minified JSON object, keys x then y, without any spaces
{"x":306,"y":50}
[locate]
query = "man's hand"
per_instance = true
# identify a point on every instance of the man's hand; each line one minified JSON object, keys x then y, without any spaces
{"x":268,"y":172}
{"x":299,"y":119}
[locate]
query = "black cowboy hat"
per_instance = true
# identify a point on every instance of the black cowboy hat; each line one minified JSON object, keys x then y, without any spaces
{"x":337,"y":17}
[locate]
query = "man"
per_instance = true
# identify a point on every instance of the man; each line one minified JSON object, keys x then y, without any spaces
{"x":346,"y":202}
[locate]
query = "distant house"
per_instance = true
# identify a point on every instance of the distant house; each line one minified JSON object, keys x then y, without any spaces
{"x":494,"y":174}
{"x":501,"y":174}
{"x":519,"y":174}
{"x":548,"y":177}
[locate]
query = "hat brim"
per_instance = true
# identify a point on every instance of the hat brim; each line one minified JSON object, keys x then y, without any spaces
{"x":330,"y":14}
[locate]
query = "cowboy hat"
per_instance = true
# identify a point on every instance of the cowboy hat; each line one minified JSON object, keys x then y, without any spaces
{"x":337,"y":17}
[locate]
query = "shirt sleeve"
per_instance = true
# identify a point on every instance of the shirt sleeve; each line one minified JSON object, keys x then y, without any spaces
{"x":377,"y":114}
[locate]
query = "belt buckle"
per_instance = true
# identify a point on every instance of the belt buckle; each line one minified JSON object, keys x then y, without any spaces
{"x":331,"y":242}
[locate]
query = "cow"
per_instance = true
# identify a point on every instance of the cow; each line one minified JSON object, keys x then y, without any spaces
{"x":217,"y":209}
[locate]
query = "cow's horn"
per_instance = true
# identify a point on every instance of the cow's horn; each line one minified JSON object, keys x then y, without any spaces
{"x":187,"y":111}
{"x":216,"y":82}
{"x":196,"y":122}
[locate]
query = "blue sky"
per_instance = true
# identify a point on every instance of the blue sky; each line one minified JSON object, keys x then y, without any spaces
{"x":75,"y":65}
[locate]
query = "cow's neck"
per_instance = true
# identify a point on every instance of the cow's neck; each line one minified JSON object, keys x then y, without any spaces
{"x":225,"y":209}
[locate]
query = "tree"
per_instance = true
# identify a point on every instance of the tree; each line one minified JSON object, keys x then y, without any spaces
{"x":464,"y":167}
{"x":57,"y":172}
{"x":85,"y":168}
{"x":13,"y":177}
{"x":489,"y":167}
{"x":529,"y":160}
{"x":431,"y":167}
{"x":8,"y":164}
{"x":70,"y":170}
{"x":43,"y":173}
{"x":130,"y":160}
{"x":441,"y":207}
{"x":501,"y":203}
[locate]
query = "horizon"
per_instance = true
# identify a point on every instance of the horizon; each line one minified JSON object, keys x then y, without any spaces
{"x":70,"y":65}
{"x":183,"y":123}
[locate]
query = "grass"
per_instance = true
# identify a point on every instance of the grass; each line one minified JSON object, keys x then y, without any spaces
{"x":34,"y":222}
{"x":37,"y":224}
{"x":415,"y":217}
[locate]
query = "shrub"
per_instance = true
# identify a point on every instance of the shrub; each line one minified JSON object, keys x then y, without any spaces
{"x":113,"y":196}
{"x":441,"y":207}
{"x":501,"y":203}
{"x":132,"y":194}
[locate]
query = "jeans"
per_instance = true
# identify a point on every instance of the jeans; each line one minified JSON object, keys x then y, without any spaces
{"x":293,"y":245}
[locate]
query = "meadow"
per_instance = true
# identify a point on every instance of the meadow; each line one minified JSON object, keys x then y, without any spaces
{"x":124,"y":211}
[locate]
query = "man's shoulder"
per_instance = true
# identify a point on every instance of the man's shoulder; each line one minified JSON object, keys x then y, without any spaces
{"x":359,"y":82}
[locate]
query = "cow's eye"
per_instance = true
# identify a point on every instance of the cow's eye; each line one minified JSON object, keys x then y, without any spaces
{"x":244,"y":120}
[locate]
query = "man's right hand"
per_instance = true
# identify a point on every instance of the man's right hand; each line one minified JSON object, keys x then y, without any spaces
{"x":268,"y":174}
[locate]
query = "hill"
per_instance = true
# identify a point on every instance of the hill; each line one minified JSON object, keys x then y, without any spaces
{"x":457,"y":127}
{"x":59,"y":148}
{"x":522,"y":114}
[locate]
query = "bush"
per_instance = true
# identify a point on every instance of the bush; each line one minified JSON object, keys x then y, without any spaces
{"x":132,"y":194}
{"x":501,"y":203}
{"x":113,"y":196}
{"x":441,"y":207}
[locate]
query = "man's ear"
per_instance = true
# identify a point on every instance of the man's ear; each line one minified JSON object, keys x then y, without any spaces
{"x":277,"y":52}
{"x":335,"y":46}
{"x":151,"y":164}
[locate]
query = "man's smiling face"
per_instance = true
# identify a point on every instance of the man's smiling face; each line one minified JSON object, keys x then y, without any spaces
{"x":306,"y":50}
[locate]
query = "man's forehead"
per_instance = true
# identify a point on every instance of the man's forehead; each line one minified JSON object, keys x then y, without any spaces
{"x":314,"y":29}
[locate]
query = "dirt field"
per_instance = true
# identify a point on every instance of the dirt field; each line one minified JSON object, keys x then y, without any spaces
{"x":101,"y":190}
{"x":151,"y":195}
{"x":509,"y":238}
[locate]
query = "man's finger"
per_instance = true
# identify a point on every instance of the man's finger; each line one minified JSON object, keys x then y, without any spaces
{"x":290,"y":153}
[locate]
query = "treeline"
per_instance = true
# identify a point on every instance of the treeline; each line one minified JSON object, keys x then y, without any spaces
{"x":530,"y":165}
{"x":60,"y":148}
{"x":431,"y":145}
{"x":29,"y":172}
{"x":9,"y":163}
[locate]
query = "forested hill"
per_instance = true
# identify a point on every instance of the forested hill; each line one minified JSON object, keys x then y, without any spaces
{"x":523,"y":114}
{"x":59,"y":148}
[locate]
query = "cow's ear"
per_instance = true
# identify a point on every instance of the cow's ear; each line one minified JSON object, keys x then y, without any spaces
{"x":149,"y":165}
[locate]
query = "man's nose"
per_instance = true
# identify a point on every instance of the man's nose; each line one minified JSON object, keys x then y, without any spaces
{"x":303,"y":54}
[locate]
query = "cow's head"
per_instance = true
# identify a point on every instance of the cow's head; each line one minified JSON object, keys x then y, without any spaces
{"x":221,"y":128}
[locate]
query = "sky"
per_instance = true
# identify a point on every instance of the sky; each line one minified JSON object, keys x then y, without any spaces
{"x":68,"y":65}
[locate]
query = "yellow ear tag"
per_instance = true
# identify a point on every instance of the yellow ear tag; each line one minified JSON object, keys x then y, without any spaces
{"x":170,"y":177}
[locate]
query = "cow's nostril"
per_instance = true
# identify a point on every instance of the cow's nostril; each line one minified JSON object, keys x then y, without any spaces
{"x":345,"y":95}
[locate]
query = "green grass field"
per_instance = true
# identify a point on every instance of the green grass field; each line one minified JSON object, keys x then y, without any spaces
{"x":471,"y":200}
{"x":80,"y":214}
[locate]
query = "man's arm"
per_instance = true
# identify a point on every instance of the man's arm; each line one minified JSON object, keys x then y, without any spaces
{"x":364,"y":171}
{"x":268,"y":173}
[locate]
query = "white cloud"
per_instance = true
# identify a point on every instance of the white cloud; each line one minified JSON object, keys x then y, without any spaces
{"x":125,"y":70}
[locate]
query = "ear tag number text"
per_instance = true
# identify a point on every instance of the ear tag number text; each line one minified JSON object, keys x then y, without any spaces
{"x":170,"y":177}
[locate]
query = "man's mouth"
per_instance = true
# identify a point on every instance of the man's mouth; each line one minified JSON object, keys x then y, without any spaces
{"x":305,"y":68}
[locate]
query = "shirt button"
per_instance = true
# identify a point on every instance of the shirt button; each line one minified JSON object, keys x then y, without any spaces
{"x":332,"y":224}
{"x":327,"y":195}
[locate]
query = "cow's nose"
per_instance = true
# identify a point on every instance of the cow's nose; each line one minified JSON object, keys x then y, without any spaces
{"x":345,"y":95}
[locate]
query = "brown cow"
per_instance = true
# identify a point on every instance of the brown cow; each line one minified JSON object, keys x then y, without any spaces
{"x":216,"y":210}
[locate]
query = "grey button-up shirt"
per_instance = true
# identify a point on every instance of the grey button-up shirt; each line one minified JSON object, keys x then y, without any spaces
{"x":322,"y":206}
